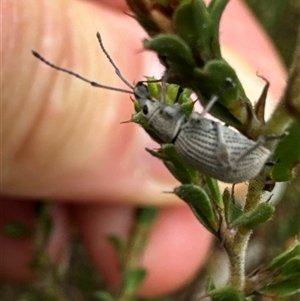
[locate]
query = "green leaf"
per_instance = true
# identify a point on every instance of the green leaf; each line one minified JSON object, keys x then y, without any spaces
{"x":231,"y":98}
{"x":104,"y":296}
{"x":214,"y":189}
{"x":210,"y":285}
{"x":172,"y":91}
{"x":154,"y":87}
{"x":182,"y":171}
{"x":16,"y":230}
{"x":119,"y":245}
{"x":133,"y":279}
{"x":192,"y":24}
{"x":292,"y":267}
{"x":146,"y":216}
{"x":287,"y":155}
{"x":232,"y":212}
{"x":255,"y":217}
{"x":282,"y":289}
{"x":139,"y":235}
{"x":226,"y":294}
{"x":41,"y":262}
{"x":216,"y":9}
{"x":200,"y":204}
{"x":281,"y":277}
{"x":280,"y":260}
{"x":232,"y":107}
{"x":44,"y":219}
{"x":171,"y":95}
{"x":175,"y":50}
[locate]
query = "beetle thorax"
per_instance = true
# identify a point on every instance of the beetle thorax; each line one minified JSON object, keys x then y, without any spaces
{"x":165,"y":120}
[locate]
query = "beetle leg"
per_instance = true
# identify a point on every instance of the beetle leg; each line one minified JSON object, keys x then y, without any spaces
{"x":222,"y":149}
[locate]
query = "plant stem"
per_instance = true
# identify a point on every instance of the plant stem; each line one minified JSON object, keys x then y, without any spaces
{"x":288,"y":110}
{"x":236,"y":250}
{"x":137,"y":242}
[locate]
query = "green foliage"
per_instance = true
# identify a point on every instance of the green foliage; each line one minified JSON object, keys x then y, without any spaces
{"x":192,"y":23}
{"x":42,"y":296}
{"x":189,"y":48}
{"x":279,"y":278}
{"x":187,"y":44}
{"x":129,"y":252}
{"x":226,"y":294}
{"x":200,"y":204}
{"x":44,"y":221}
{"x":232,"y":211}
{"x":119,"y":245}
{"x":282,"y":289}
{"x":280,"y":260}
{"x":146,"y":217}
{"x":179,"y":169}
{"x":287,"y":154}
{"x":133,"y":280}
{"x":104,"y":296}
{"x":16,"y":230}
{"x":177,"y":52}
{"x":214,"y":192}
{"x":253,"y":218}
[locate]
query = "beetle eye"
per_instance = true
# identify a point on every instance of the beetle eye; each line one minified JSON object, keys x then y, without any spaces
{"x":145,"y":110}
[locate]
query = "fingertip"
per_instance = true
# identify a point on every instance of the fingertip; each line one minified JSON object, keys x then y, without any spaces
{"x":55,"y":134}
{"x":118,"y":5}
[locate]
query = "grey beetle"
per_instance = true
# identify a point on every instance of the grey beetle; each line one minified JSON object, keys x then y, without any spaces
{"x":208,"y":146}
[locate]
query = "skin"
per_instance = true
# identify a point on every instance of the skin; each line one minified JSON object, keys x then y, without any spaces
{"x":62,"y":139}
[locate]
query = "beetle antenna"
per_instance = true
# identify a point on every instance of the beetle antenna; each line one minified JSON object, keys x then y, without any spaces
{"x":117,"y":70}
{"x":94,"y":84}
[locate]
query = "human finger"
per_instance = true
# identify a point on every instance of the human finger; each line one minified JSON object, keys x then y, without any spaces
{"x":62,"y":139}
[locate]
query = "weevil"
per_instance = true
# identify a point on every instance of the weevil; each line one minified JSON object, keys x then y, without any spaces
{"x":210,"y":147}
